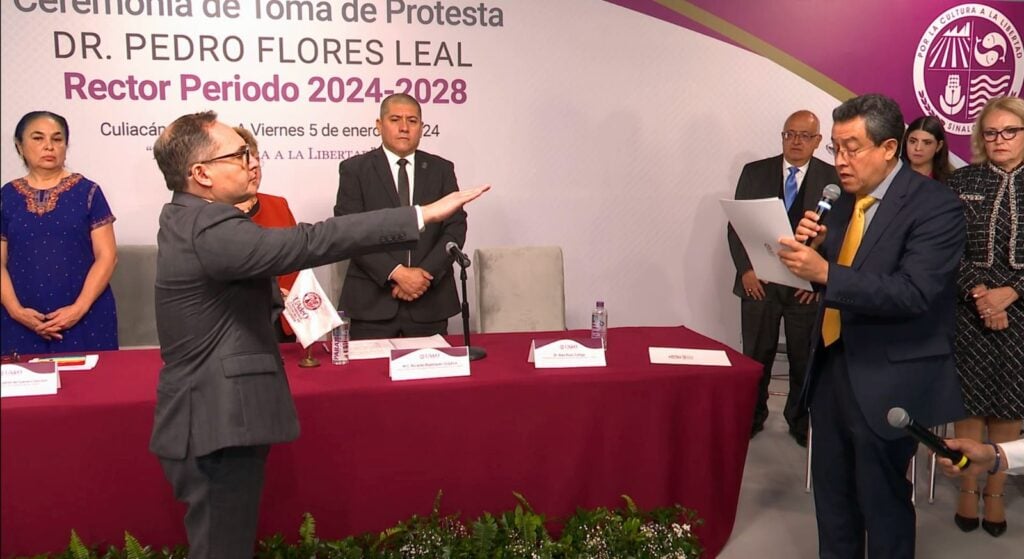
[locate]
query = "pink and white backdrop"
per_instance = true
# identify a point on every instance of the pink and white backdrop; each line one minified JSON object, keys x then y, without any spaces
{"x":610,"y":128}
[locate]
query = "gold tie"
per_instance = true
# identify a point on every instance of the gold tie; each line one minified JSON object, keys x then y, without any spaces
{"x":854,"y":233}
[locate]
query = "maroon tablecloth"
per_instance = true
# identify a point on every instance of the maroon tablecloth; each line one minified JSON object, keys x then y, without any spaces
{"x":373,"y":452}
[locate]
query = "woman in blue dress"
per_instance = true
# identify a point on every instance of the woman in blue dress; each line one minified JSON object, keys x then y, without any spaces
{"x":57,"y":250}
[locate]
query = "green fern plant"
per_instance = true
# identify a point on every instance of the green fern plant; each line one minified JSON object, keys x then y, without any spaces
{"x":521,"y":533}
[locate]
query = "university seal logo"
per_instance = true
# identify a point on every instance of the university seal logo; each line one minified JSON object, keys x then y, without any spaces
{"x":968,"y":55}
{"x":311,"y":301}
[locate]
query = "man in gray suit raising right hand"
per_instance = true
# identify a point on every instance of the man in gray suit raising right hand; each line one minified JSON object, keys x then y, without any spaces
{"x":223,"y":397}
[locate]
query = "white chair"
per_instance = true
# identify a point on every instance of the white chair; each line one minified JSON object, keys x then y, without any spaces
{"x":520,"y":289}
{"x":133,"y":283}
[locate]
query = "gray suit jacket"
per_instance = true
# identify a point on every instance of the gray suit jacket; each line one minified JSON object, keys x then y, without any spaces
{"x":223,"y":381}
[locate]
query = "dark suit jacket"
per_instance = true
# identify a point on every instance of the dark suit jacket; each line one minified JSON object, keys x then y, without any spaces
{"x":897,"y":303}
{"x":764,"y":179}
{"x":223,"y":382}
{"x":365,"y":183}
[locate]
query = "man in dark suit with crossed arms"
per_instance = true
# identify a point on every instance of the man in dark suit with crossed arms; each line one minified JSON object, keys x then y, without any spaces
{"x":797,"y":177}
{"x":222,"y":397}
{"x":889,"y":252}
{"x":400,"y":292}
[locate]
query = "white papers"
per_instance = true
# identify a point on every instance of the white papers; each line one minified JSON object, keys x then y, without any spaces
{"x":565,"y":353}
{"x":683,"y":356}
{"x":28,"y":379}
{"x":760,"y":224}
{"x":381,"y":349}
{"x":412,"y":364}
{"x":71,"y":362}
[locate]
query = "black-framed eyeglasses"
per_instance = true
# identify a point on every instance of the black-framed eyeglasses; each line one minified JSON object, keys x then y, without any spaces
{"x":243,"y":153}
{"x":1007,"y":133}
{"x":789,"y":136}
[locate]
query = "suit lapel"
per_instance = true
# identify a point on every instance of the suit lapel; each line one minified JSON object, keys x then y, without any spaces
{"x":888,"y":208}
{"x":773,"y":184}
{"x":424,"y":173}
{"x":387,"y":181}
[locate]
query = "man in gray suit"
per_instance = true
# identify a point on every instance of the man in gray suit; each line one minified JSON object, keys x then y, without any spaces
{"x":798,"y":178}
{"x":223,"y":396}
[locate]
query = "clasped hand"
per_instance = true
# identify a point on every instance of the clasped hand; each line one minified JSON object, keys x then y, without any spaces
{"x":991,"y":305}
{"x":410,"y":283}
{"x":49,"y":326}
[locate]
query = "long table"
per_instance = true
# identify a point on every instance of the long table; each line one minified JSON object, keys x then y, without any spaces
{"x":373,"y":452}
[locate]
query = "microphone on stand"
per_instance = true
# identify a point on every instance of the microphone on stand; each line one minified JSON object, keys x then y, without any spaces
{"x":453,"y":249}
{"x":829,"y":195}
{"x":463,"y":261}
{"x":900,"y":419}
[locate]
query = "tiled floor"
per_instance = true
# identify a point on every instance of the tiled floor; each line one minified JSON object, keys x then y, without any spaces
{"x":776,"y":517}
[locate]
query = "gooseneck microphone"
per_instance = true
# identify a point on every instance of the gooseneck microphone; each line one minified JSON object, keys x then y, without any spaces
{"x":829,"y":195}
{"x":900,"y":419}
{"x":453,"y":249}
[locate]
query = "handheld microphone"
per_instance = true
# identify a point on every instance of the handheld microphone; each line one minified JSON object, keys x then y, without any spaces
{"x":900,"y":419}
{"x":453,"y":249}
{"x":828,"y":196}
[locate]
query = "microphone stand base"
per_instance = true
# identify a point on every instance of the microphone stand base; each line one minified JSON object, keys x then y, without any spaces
{"x":477,"y":353}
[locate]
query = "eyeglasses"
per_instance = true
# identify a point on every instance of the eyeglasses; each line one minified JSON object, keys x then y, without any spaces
{"x":847,"y":153}
{"x":1007,"y":133}
{"x":243,"y":153}
{"x":789,"y":136}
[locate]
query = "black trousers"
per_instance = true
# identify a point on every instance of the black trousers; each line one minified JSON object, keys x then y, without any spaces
{"x":760,"y":327}
{"x":222,"y":490}
{"x":401,"y":325}
{"x":860,"y":479}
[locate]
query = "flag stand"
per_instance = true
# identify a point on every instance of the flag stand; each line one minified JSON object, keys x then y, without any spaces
{"x":309,"y":361}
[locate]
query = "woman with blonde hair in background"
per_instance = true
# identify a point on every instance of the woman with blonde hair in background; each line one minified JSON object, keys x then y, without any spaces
{"x":990,"y":318}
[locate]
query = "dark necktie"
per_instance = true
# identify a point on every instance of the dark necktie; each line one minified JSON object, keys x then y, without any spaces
{"x":403,"y":183}
{"x":791,"y":187}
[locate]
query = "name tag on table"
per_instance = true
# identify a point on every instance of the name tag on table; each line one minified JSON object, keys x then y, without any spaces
{"x":438,"y":362}
{"x":28,"y":379}
{"x":71,"y":362}
{"x":567,"y":353}
{"x":682,"y":356}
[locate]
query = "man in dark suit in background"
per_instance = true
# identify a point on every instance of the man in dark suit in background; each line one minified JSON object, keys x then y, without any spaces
{"x":222,"y":397}
{"x":883,"y":338}
{"x":400,"y":292}
{"x":797,"y":177}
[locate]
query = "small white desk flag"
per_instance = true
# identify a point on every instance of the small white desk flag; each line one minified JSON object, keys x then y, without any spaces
{"x":308,"y":309}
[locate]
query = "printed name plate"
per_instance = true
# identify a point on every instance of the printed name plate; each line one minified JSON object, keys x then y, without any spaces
{"x":438,"y":362}
{"x":566,"y":353}
{"x":28,"y":379}
{"x":682,"y":356}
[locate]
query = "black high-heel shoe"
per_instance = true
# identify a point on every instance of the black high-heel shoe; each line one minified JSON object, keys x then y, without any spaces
{"x":994,"y":529}
{"x":967,"y":524}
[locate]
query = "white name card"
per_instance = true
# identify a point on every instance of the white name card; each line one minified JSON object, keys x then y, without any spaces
{"x":682,"y":356}
{"x":438,"y":362}
{"x":71,"y":362}
{"x":566,"y":353}
{"x":28,"y":379}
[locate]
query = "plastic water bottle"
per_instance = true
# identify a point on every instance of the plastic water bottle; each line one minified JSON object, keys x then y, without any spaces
{"x":339,"y":340}
{"x":599,"y":323}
